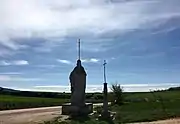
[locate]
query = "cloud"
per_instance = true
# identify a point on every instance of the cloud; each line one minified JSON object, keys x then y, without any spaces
{"x":61,"y":88}
{"x":46,"y":66}
{"x":20,"y":62}
{"x":10,"y":73}
{"x":99,"y":88}
{"x":92,"y":60}
{"x":17,"y":62}
{"x":4,"y":63}
{"x":4,"y":78}
{"x":68,"y":18}
{"x":7,"y":78}
{"x":5,"y":52}
{"x":64,"y":61}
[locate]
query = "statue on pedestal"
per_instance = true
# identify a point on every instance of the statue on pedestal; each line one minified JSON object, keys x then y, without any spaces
{"x":77,"y":78}
{"x":78,"y":85}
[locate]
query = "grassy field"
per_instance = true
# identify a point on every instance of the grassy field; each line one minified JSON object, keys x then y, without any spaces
{"x":8,"y":102}
{"x":146,"y":111}
{"x":148,"y":106}
{"x":14,"y":102}
{"x":165,"y":95}
{"x":138,"y":107}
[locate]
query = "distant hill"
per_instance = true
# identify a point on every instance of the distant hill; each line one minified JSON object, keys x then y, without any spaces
{"x":174,"y":89}
{"x":7,"y":91}
{"x":63,"y":95}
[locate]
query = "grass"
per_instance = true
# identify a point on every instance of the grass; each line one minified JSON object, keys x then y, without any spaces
{"x":17,"y":102}
{"x":139,"y":107}
{"x":8,"y":102}
{"x":146,"y":111}
{"x":149,"y":106}
{"x":166,"y":95}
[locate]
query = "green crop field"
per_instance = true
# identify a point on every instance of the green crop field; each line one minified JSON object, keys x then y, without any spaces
{"x":17,"y":102}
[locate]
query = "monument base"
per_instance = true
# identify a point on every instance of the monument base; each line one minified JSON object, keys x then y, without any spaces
{"x":106,"y":115}
{"x":68,"y":109}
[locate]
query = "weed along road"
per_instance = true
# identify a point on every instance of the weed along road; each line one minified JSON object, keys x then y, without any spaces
{"x":31,"y":116}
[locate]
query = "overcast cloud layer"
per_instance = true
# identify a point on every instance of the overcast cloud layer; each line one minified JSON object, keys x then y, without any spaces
{"x":58,"y":19}
{"x":138,"y":38}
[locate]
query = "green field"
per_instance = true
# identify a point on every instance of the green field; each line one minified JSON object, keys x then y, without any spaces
{"x":149,"y":106}
{"x":138,"y":107}
{"x":17,"y":102}
{"x":165,"y":95}
{"x":8,"y":102}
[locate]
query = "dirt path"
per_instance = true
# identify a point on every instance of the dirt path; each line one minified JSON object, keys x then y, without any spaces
{"x":29,"y":116}
{"x":169,"y":121}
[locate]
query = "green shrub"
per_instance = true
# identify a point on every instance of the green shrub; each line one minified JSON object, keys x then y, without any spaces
{"x":117,"y":94}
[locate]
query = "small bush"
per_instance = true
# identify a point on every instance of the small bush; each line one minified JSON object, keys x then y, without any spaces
{"x":117,"y":94}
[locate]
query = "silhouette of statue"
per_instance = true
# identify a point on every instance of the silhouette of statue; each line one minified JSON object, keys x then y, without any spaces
{"x":78,"y":85}
{"x":77,"y":78}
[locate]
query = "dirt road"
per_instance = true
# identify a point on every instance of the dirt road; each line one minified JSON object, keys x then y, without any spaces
{"x":38,"y":115}
{"x":29,"y":116}
{"x":169,"y":121}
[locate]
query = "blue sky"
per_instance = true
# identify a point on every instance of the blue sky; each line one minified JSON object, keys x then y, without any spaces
{"x":138,"y":38}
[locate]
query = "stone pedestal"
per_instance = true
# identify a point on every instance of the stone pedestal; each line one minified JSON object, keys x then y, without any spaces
{"x":105,"y":101}
{"x":105,"y":115}
{"x":68,"y":109}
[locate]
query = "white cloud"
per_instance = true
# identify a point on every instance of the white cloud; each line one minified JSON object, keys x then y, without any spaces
{"x":64,"y":61}
{"x":99,"y":88}
{"x":17,"y":78}
{"x":20,"y":62}
{"x":92,"y":60}
{"x":46,"y":66}
{"x":4,"y":78}
{"x":16,"y":62}
{"x":5,"y":63}
{"x":10,"y":73}
{"x":60,"y":18}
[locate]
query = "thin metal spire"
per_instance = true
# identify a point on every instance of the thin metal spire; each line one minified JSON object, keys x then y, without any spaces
{"x":79,"y":49}
{"x":104,"y":64}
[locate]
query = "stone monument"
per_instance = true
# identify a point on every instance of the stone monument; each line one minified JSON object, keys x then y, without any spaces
{"x":78,"y":86}
{"x":105,"y":113}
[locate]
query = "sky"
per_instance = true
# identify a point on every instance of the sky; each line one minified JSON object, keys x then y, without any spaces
{"x":139,"y":39}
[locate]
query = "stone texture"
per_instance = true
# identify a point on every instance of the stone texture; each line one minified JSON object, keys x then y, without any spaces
{"x":68,"y":109}
{"x":78,"y":86}
{"x":105,"y":101}
{"x":105,"y":114}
